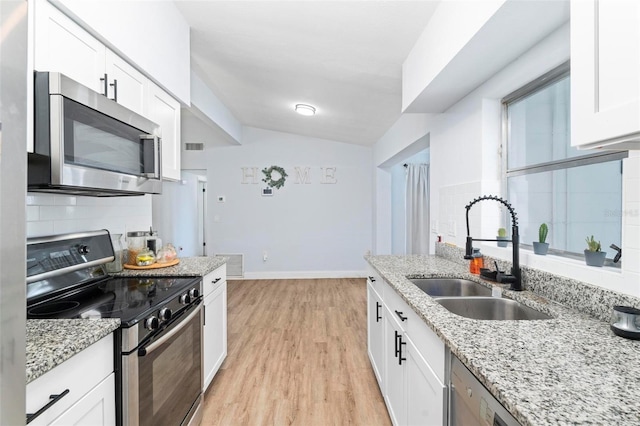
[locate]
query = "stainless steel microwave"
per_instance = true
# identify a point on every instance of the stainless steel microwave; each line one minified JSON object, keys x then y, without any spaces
{"x":87,"y":144}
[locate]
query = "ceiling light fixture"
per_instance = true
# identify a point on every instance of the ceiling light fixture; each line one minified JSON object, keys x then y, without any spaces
{"x":304,"y":109}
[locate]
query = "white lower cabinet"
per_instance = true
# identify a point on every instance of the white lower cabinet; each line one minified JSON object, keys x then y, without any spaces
{"x":394,"y":383}
{"x":215,"y":323}
{"x":375,"y":332}
{"x":426,"y":395}
{"x":410,"y":361}
{"x":84,"y":386}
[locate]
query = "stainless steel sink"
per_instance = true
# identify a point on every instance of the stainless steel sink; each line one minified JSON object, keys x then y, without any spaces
{"x":450,"y":287}
{"x":490,"y":308}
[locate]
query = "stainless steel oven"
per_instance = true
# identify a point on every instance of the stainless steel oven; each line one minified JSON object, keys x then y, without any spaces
{"x":158,"y":349}
{"x":162,"y":379}
{"x":88,"y":144}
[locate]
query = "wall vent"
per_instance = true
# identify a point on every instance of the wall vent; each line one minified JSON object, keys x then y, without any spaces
{"x":235,"y":264}
{"x":191,"y":146}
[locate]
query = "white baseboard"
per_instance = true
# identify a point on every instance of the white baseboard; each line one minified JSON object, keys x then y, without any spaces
{"x":282,"y":275}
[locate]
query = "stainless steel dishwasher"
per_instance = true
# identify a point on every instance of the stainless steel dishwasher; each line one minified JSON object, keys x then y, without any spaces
{"x":470,"y":403}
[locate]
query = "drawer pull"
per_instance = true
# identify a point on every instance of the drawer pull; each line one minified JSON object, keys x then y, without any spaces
{"x":400,"y":315}
{"x":216,"y":280}
{"x":53,"y":398}
{"x":372,"y":279}
{"x":378,"y":317}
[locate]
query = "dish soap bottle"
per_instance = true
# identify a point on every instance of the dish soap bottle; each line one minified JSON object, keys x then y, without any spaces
{"x":477,"y":262}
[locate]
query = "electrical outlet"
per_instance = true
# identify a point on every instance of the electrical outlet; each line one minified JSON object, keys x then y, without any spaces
{"x":452,"y":228}
{"x":265,"y":256}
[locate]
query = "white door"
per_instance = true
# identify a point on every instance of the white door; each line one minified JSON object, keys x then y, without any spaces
{"x":163,"y":110}
{"x":425,"y":394}
{"x":394,"y":381}
{"x":62,"y":46}
{"x":202,"y":214}
{"x":214,"y":332}
{"x":605,"y":65}
{"x":127,"y":85}
{"x":375,"y":328}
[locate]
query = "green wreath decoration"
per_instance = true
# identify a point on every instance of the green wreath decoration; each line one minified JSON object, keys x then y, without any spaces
{"x":277,"y":184}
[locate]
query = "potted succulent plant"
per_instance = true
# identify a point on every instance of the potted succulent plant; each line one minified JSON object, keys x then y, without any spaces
{"x":541,"y":246}
{"x":593,"y":254}
{"x":502,"y":237}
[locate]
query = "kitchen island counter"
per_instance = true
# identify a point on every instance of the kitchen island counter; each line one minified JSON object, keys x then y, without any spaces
{"x":567,"y":370}
{"x":50,"y":342}
{"x":198,"y":266}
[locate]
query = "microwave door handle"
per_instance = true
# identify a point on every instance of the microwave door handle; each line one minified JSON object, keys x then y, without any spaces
{"x":151,"y":151}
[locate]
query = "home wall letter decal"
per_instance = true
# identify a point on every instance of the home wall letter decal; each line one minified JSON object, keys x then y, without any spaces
{"x":329,"y":175}
{"x":302,"y":176}
{"x":249,"y":173}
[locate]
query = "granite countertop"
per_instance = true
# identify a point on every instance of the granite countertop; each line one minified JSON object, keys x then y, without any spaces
{"x":50,"y":342}
{"x":568,"y":370}
{"x":188,"y":267}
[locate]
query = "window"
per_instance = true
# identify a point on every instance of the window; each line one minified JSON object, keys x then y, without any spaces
{"x":577,"y":193}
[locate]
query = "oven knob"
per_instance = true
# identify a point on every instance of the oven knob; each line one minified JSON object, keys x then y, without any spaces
{"x":83,"y":249}
{"x":164,"y":314}
{"x":185,"y":299}
{"x":151,"y":323}
{"x":194,"y":292}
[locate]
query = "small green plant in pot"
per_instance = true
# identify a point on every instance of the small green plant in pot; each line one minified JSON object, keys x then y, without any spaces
{"x":593,"y":254}
{"x":502,"y":237}
{"x":541,"y":246}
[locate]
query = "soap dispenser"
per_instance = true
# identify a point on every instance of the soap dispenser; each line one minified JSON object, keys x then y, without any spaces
{"x":476,"y":262}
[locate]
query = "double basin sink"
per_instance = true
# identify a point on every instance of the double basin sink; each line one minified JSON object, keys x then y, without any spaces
{"x":472,"y":300}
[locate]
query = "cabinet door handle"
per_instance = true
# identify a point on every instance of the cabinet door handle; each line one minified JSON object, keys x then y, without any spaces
{"x":115,"y":89}
{"x":372,"y":279}
{"x":216,"y":280}
{"x":400,"y":357}
{"x":378,"y":317}
{"x":398,"y":336}
{"x":53,"y":398}
{"x":204,"y":314}
{"x":105,"y":82}
{"x":399,"y":314}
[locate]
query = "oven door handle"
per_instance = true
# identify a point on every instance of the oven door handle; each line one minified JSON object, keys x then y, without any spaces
{"x":153,"y":346}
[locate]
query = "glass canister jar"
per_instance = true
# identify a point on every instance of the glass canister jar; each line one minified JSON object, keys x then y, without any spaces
{"x":136,"y":242}
{"x":117,"y":242}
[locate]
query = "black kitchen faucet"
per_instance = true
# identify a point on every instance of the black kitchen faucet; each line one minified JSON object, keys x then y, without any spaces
{"x":515,"y":278}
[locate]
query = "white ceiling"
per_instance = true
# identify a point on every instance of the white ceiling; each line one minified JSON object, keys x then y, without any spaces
{"x":345,"y":58}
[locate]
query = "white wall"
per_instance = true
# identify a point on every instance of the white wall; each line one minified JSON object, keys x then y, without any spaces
{"x":307,"y":230}
{"x":50,"y":214}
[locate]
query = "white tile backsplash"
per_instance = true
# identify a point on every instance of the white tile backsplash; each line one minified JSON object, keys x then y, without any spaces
{"x":50,"y":214}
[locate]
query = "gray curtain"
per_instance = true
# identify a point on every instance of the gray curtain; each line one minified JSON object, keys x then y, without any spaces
{"x":417,"y":209}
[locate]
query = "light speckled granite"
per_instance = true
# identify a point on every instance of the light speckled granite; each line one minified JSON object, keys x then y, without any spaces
{"x":565,"y":371}
{"x":50,"y":342}
{"x":188,"y":267}
{"x":593,"y":300}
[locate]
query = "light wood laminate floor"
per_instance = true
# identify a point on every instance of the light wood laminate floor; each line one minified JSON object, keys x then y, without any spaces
{"x":297,"y":354}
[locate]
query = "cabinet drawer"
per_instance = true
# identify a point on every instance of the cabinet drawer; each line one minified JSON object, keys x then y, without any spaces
{"x":397,"y":306}
{"x":214,"y":279}
{"x":79,"y":374}
{"x":376,"y":281}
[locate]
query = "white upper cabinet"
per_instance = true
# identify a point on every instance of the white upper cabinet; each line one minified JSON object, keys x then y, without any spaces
{"x":605,"y":74}
{"x":162,"y":109}
{"x":127,"y":86}
{"x":64,"y":47}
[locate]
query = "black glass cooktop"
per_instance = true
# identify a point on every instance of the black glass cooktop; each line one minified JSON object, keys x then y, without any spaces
{"x":129,"y":299}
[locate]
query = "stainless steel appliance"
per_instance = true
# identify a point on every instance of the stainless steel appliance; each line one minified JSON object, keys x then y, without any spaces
{"x":88,"y":144}
{"x":158,"y":353}
{"x":470,"y":403}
